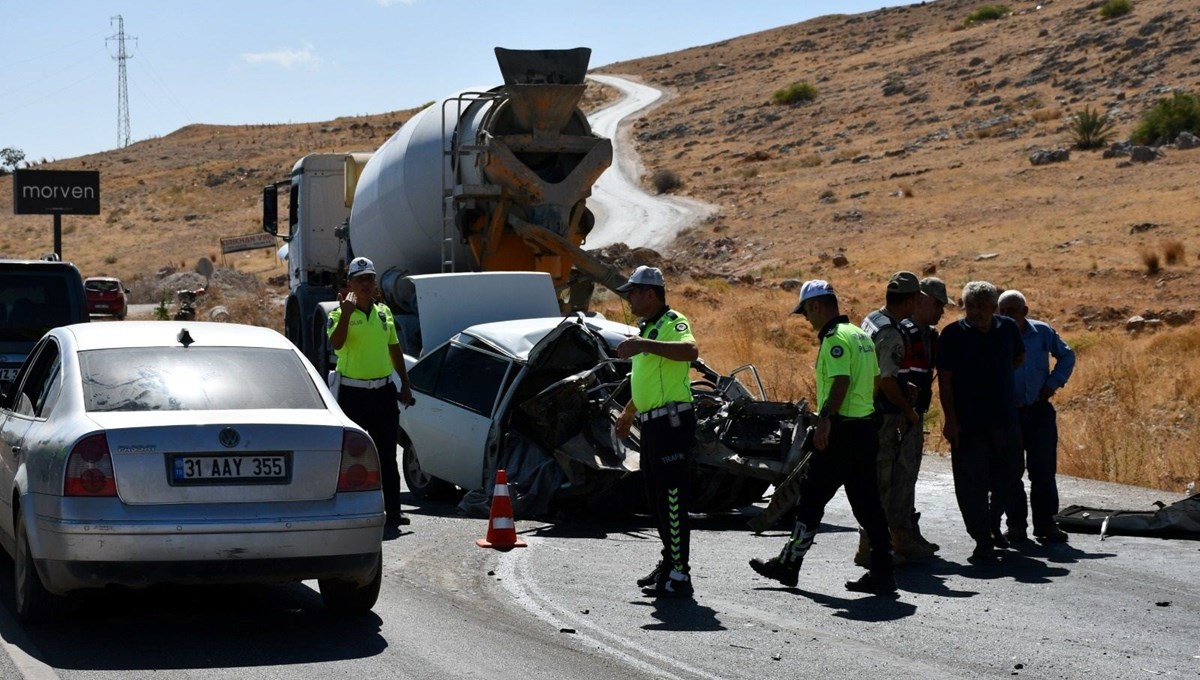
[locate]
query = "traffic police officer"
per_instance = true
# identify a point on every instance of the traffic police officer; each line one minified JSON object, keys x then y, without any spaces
{"x":363,"y":335}
{"x":662,"y":404}
{"x":846,"y":442}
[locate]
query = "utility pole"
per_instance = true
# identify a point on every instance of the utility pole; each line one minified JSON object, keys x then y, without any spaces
{"x":122,"y":82}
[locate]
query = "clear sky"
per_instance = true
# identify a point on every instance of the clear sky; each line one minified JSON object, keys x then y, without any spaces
{"x":267,"y":61}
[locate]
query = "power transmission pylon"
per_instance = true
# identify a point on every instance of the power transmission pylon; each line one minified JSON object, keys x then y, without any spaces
{"x":122,"y":82}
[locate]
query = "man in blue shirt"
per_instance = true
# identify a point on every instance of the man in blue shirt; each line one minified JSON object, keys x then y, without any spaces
{"x":1034,"y":383}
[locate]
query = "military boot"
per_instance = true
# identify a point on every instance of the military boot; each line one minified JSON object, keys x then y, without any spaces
{"x":905,"y":545}
{"x":916,"y":529}
{"x":862,"y":556}
{"x":786,"y":567}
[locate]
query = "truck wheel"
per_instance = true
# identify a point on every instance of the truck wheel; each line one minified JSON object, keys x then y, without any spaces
{"x":421,"y":483}
{"x":347,"y":597}
{"x":34,"y":603}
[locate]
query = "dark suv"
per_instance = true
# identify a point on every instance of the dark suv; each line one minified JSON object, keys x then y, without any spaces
{"x":35,"y":296}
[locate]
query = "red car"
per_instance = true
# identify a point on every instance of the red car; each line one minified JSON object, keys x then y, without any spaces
{"x":105,"y":295}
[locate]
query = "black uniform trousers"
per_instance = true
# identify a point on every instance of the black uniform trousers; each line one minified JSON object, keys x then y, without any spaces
{"x":376,"y":411}
{"x":665,"y":463}
{"x":849,"y":461}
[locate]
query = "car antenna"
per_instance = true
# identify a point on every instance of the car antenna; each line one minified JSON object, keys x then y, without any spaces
{"x":184,"y":338}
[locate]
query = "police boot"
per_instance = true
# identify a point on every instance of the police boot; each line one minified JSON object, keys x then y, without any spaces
{"x":786,"y":567}
{"x":878,"y":581}
{"x":653,"y":577}
{"x":916,"y":529}
{"x":906,"y":546}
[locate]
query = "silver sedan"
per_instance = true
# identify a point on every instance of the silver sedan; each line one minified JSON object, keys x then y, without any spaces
{"x":182,"y":452}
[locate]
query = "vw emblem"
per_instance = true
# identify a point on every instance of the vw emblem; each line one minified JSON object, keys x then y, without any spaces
{"x":229,"y":437}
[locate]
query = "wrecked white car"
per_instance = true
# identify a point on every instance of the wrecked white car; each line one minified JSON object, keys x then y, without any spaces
{"x":538,"y":398}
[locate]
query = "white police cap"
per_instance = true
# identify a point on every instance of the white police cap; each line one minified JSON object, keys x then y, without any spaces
{"x":643,"y":276}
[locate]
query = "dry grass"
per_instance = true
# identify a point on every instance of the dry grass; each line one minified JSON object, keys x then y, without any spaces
{"x":1044,"y":115}
{"x":1130,"y":412}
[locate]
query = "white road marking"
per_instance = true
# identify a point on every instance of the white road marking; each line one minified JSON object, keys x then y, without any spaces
{"x":514,"y":574}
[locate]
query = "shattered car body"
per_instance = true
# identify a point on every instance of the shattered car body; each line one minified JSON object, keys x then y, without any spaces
{"x":539,"y":398}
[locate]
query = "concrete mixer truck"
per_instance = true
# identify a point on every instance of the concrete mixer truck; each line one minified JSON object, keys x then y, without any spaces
{"x":482,"y":181}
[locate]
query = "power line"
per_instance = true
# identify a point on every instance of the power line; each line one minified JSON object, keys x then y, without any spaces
{"x":122,"y":82}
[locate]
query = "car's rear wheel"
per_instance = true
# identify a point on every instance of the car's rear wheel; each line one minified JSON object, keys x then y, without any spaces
{"x":34,"y":603}
{"x":347,"y":597}
{"x":419,"y":482}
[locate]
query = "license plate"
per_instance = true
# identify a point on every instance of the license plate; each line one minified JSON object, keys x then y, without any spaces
{"x":101,"y":305}
{"x":242,"y":469}
{"x":8,"y":374}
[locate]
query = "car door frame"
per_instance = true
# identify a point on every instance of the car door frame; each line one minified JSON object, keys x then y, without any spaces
{"x":452,"y":441}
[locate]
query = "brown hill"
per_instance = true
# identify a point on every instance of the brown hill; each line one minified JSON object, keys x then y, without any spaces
{"x":915,"y":154}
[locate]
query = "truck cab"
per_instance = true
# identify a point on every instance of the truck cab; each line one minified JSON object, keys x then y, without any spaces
{"x":318,"y":208}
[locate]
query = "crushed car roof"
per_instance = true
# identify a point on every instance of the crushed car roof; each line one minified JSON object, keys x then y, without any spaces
{"x":517,"y":338}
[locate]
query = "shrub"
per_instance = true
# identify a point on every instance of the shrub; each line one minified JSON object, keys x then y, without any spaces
{"x":987,"y":13}
{"x":1115,"y":8}
{"x":1150,"y":259}
{"x":796,"y":93}
{"x":665,"y":181}
{"x":1167,"y":118}
{"x":1090,"y":129}
{"x":1044,"y":115}
{"x":1173,"y":252}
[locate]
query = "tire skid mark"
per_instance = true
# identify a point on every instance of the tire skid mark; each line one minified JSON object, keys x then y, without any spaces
{"x":515,"y":576}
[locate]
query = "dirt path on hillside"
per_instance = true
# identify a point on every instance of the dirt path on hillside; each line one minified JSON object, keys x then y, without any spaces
{"x":625,"y":213}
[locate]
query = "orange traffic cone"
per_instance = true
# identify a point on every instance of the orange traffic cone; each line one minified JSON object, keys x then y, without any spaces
{"x":502,"y":532}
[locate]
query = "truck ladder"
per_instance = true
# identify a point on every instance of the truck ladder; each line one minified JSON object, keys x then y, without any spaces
{"x":457,"y":192}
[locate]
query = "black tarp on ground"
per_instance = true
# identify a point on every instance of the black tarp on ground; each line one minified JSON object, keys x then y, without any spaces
{"x":1177,"y":520}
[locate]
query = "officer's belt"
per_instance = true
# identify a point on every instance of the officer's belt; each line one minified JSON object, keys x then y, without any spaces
{"x":365,"y":384}
{"x":661,"y":411}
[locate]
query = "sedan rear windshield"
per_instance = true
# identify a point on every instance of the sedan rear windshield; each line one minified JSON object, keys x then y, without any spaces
{"x":102,"y":286}
{"x":195,"y":379}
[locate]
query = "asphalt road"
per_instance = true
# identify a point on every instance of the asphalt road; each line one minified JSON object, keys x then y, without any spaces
{"x":566,"y":607}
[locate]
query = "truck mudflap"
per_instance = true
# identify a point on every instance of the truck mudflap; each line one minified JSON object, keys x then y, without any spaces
{"x":558,"y":445}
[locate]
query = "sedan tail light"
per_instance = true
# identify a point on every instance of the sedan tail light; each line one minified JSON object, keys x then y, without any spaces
{"x":90,"y":469}
{"x":360,"y":463}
